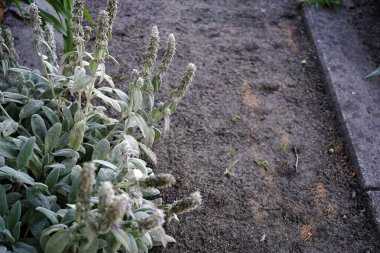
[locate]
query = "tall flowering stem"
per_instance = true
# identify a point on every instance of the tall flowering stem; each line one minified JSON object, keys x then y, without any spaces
{"x":86,"y":182}
{"x":168,"y":56}
{"x":39,"y":33}
{"x":179,"y":92}
{"x":112,"y":11}
{"x":50,"y":40}
{"x":78,"y":33}
{"x":158,"y":181}
{"x":100,"y":53}
{"x":185,"y":205}
{"x":37,"y":24}
{"x":77,"y":14}
{"x":87,"y":31}
{"x":151,"y":55}
{"x":126,"y":152}
{"x":101,"y":42}
{"x":12,"y":54}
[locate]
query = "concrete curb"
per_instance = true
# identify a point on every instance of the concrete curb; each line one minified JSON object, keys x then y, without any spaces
{"x":374,"y":203}
{"x":357,"y":101}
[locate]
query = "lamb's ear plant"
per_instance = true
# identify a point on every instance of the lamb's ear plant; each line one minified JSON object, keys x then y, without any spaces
{"x":72,"y":178}
{"x":61,"y":20}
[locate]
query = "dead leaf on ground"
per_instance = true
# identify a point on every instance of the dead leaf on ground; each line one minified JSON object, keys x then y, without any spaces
{"x":307,"y":232}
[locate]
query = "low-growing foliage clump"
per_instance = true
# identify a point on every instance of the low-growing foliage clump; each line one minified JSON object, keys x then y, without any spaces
{"x":264,"y":164}
{"x":235,"y":118}
{"x":231,"y":167}
{"x":71,"y":175}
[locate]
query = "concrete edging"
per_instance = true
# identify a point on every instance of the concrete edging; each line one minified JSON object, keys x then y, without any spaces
{"x":345,"y":62}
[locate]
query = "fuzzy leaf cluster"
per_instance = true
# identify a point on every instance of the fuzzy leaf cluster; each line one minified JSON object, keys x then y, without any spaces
{"x":75,"y":150}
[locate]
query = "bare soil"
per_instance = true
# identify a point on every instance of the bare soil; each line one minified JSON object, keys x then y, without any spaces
{"x":255,"y":61}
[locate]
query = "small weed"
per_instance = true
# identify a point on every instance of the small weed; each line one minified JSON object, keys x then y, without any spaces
{"x":231,"y":154}
{"x":284,"y":163}
{"x":282,"y":148}
{"x":264,"y":164}
{"x":231,"y":167}
{"x":235,"y":118}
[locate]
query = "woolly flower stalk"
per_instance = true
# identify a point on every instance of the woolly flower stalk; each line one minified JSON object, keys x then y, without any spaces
{"x":127,"y":150}
{"x":167,"y":114}
{"x":112,"y":10}
{"x":151,"y":55}
{"x":50,"y":40}
{"x":168,"y":56}
{"x":185,"y":205}
{"x":49,"y":37}
{"x":136,"y":196}
{"x":135,"y":74}
{"x":114,"y":212}
{"x":179,"y":92}
{"x":140,"y":82}
{"x":156,"y":219}
{"x":106,"y":194}
{"x":102,"y":39}
{"x":86,"y":181}
{"x":36,"y":24}
{"x":87,"y":33}
{"x":158,"y":181}
{"x":35,"y":18}
{"x":8,"y":40}
{"x":77,"y":14}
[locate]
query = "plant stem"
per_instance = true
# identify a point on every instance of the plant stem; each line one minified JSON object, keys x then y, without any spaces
{"x":89,"y":95}
{"x":123,"y":117}
{"x":28,"y":228}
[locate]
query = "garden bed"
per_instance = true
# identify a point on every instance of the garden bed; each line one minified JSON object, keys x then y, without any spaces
{"x":259,"y":95}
